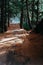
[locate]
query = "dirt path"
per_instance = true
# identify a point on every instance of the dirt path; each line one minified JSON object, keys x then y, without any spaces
{"x":22,"y":54}
{"x":3,"y":59}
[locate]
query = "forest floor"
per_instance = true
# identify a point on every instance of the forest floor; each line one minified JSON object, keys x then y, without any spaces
{"x":17,"y":47}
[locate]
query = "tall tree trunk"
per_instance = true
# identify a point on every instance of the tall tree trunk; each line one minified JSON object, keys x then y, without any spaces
{"x":8,"y":20}
{"x":8,"y":14}
{"x":37,"y":10}
{"x":5,"y":21}
{"x":21,"y":19}
{"x":28,"y":15}
{"x":3,"y":16}
{"x":32,"y":10}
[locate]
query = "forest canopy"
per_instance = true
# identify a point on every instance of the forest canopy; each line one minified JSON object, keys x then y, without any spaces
{"x":29,"y":11}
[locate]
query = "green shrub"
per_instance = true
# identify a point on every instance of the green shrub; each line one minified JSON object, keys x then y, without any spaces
{"x":26,"y":26}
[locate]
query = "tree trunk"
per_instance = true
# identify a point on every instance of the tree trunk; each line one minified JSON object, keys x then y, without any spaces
{"x":5,"y":21}
{"x":28,"y":15}
{"x":32,"y":10}
{"x":8,"y":20}
{"x":37,"y":10}
{"x":3,"y":16}
{"x":21,"y":19}
{"x":8,"y":14}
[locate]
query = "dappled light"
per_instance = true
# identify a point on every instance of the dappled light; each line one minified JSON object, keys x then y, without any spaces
{"x":21,"y":32}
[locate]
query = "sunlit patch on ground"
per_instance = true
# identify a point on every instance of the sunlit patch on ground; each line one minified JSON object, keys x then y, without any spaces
{"x":21,"y":48}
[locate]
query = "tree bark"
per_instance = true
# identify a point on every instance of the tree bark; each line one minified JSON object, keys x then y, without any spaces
{"x":37,"y":10}
{"x":3,"y":16}
{"x":21,"y":19}
{"x":5,"y":22}
{"x":32,"y":10}
{"x":28,"y":15}
{"x":8,"y":14}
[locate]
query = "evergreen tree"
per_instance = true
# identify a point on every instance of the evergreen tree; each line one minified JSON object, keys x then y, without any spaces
{"x":21,"y":18}
{"x":3,"y":16}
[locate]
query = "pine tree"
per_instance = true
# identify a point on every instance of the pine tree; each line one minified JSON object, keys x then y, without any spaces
{"x":21,"y":18}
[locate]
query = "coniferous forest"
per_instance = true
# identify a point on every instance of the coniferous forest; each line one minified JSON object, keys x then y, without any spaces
{"x":28,"y":11}
{"x":21,"y":32}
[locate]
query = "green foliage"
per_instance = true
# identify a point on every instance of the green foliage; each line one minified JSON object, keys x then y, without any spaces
{"x":13,"y":7}
{"x":26,"y":26}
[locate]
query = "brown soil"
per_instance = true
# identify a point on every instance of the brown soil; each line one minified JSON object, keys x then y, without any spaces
{"x":13,"y":26}
{"x":31,"y":48}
